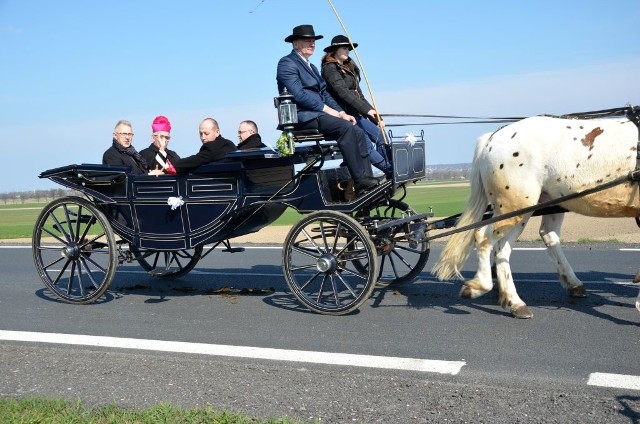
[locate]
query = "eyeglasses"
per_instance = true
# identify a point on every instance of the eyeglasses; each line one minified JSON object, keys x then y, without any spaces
{"x":125,"y":134}
{"x":168,"y":137}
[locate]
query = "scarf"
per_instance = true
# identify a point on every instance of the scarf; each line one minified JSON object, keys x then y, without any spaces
{"x":131,"y":151}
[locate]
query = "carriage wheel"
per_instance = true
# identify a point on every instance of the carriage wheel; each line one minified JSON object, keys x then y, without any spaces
{"x":318,"y":259}
{"x":74,"y":250}
{"x":167,"y":263}
{"x":400,"y":260}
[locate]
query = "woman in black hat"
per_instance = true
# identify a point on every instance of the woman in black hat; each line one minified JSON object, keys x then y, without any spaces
{"x":343,"y":83}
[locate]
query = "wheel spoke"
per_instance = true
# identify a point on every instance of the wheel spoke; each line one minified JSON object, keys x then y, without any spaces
{"x":89,"y":272}
{"x":54,"y":262}
{"x":69,"y":224}
{"x":344,"y":283}
{"x":61,"y":272}
{"x":60,"y":228}
{"x":46,"y":230}
{"x":312,"y":241}
{"x":71,"y":275}
{"x":304,"y":251}
{"x":401,"y":259}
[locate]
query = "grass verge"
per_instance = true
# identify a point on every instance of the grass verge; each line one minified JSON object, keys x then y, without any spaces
{"x":58,"y":411}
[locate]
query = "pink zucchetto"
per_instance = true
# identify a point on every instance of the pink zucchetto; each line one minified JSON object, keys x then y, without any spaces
{"x":161,"y":123}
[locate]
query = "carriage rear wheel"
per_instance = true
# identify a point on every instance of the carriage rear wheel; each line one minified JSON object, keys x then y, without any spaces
{"x":74,"y":250}
{"x":318,"y":260}
{"x":167,"y":263}
{"x":400,"y":258}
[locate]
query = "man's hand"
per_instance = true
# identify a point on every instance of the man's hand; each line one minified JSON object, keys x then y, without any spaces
{"x":157,"y":171}
{"x":374,"y":117}
{"x":162,"y":143}
{"x":348,"y":117}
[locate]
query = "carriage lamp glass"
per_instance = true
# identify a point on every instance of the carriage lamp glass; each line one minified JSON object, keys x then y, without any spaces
{"x":287,"y":117}
{"x":287,"y":111}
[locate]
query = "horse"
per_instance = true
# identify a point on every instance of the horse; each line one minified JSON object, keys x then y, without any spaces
{"x":532,"y":161}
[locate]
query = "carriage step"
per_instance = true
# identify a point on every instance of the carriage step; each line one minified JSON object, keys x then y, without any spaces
{"x":233,"y":249}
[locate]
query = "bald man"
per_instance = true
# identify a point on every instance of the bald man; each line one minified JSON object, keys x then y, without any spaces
{"x":214,"y":147}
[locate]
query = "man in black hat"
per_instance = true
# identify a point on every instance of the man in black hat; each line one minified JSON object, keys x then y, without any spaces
{"x":318,"y":110}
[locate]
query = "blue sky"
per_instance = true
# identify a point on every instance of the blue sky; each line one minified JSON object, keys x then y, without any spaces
{"x":71,"y":69}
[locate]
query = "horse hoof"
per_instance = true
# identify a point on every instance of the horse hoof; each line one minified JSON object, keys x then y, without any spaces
{"x":465,"y":292}
{"x":578,"y":291}
{"x":522,"y":312}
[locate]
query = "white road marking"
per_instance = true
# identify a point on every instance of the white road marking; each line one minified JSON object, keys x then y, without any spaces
{"x":619,"y":381}
{"x":368,"y":361}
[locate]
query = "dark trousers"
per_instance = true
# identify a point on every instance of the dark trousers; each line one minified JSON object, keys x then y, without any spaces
{"x":350,"y":139}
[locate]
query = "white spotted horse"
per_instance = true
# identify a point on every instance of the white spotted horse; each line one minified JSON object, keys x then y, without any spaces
{"x":589,"y":160}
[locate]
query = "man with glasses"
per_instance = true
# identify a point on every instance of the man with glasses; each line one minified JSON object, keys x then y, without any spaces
{"x":318,"y":110}
{"x":122,"y":152}
{"x":248,"y":136}
{"x":157,"y":156}
{"x":214,"y":147}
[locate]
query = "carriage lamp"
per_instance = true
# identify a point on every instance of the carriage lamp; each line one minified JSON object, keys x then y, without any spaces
{"x":287,"y":114}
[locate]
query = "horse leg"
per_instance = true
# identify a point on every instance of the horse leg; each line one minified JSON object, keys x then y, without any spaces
{"x":481,"y":283}
{"x":507,"y":294}
{"x":550,"y":233}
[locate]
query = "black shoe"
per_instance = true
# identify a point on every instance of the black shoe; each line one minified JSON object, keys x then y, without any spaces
{"x":365,"y":184}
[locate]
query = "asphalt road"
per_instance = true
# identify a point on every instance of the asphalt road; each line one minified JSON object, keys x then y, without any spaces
{"x":521,"y":371}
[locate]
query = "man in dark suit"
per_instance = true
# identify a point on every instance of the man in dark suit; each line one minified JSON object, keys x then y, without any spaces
{"x":318,"y":110}
{"x":214,"y":148}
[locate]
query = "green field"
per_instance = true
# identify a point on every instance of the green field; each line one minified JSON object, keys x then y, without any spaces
{"x":443,"y":199}
{"x":17,"y":220}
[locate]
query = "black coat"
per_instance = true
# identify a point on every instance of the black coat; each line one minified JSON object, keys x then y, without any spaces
{"x":149,"y":154}
{"x":343,"y":83}
{"x":115,"y":157}
{"x":254,"y":141}
{"x":212,"y":151}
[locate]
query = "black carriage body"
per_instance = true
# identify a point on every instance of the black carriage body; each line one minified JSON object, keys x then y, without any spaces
{"x":221,"y":200}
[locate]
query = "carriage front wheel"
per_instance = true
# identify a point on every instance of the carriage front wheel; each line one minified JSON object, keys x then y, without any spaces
{"x":74,"y":250}
{"x":400,"y":258}
{"x":319,"y":259}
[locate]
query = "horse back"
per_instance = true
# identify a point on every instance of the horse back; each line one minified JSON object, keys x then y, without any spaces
{"x":553,"y":157}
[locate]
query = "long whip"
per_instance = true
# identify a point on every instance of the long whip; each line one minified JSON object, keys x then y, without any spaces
{"x":364,"y":74}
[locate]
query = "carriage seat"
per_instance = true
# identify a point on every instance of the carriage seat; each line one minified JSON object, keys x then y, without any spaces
{"x":255,"y":153}
{"x":308,"y":135}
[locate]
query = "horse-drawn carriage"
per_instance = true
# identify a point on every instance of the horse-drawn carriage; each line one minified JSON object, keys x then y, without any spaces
{"x":334,"y":256}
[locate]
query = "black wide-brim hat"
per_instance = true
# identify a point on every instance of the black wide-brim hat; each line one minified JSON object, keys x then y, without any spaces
{"x":339,"y":41}
{"x":303,"y":31}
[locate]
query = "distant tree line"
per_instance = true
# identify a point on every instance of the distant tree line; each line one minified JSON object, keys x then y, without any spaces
{"x":35,"y":195}
{"x":448,"y":173}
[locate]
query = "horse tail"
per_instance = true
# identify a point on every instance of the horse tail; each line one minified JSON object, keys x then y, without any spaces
{"x":456,"y":251}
